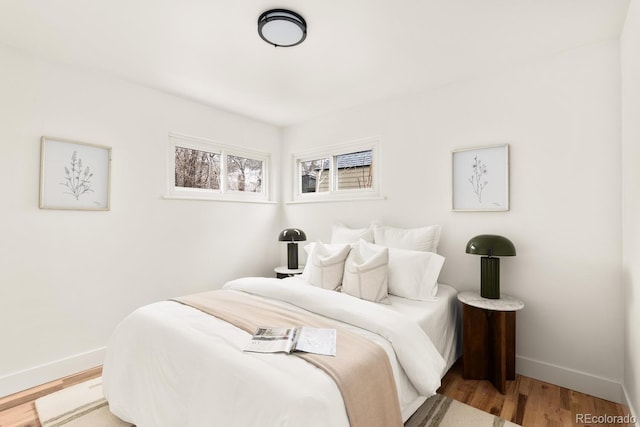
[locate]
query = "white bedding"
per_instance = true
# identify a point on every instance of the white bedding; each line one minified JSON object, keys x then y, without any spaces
{"x":440,"y":319}
{"x":168,"y":364}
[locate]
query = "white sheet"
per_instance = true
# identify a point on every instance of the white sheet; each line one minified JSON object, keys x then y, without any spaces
{"x":168,"y":364}
{"x":440,"y":319}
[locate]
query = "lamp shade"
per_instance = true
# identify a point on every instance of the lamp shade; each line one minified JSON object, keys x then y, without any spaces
{"x":281,"y":27}
{"x":292,"y":235}
{"x":490,"y":245}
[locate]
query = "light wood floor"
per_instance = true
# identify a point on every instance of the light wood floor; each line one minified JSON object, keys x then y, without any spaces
{"x":527,"y":402}
{"x":18,"y":410}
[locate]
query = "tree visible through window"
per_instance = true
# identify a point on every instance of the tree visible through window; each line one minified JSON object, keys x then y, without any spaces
{"x":244,"y":174}
{"x":314,"y":175}
{"x":197,"y":169}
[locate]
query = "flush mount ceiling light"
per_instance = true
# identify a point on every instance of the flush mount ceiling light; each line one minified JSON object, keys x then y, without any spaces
{"x":281,"y":27}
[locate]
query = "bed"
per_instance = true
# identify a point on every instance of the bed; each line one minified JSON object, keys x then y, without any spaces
{"x":170,"y":363}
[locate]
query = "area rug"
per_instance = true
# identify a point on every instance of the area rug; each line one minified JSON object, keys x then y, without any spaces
{"x":442,"y":411}
{"x":83,"y":405}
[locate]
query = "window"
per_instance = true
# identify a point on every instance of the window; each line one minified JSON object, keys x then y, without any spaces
{"x":354,"y":170}
{"x":196,"y":168}
{"x":244,"y":174}
{"x":203,"y":169}
{"x":337,"y":173}
{"x":314,"y":176}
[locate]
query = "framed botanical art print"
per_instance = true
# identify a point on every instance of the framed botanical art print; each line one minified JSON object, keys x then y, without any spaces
{"x":74,"y":175}
{"x":481,"y":178}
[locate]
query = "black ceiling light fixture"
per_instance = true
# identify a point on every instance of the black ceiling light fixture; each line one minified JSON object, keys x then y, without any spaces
{"x":281,"y":27}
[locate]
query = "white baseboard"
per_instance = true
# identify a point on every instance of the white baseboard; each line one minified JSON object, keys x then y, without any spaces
{"x":632,"y":409}
{"x":22,"y":380}
{"x":583,"y":382}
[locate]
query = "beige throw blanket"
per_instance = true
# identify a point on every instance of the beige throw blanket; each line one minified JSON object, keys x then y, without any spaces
{"x":361,"y":368}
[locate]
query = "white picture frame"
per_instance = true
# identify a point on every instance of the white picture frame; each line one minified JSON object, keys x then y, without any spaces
{"x":480,"y":179}
{"x":74,"y":175}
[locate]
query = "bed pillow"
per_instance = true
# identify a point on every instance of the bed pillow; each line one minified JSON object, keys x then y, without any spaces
{"x":413,"y":274}
{"x":325,"y":264}
{"x":416,"y":239}
{"x":366,"y":272}
{"x":342,"y":234}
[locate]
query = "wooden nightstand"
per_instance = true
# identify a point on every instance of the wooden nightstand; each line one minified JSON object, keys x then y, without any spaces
{"x":283,"y":271}
{"x":489,"y":338}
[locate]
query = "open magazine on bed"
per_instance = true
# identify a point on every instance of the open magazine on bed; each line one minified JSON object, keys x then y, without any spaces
{"x":289,"y":339}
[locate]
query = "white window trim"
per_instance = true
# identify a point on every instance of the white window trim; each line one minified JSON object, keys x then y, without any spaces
{"x":197,"y":143}
{"x":329,"y":152}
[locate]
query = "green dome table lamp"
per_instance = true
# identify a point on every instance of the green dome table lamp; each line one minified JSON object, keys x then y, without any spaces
{"x":490,"y":246}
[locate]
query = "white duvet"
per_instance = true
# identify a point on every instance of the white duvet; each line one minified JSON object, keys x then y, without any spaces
{"x":168,"y":364}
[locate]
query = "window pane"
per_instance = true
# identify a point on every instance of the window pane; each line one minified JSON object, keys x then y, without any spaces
{"x":314,"y":176}
{"x":197,"y":169}
{"x":244,"y":174}
{"x":353,"y":170}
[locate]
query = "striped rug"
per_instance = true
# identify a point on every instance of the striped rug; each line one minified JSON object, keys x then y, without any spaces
{"x":83,"y":405}
{"x":442,"y":411}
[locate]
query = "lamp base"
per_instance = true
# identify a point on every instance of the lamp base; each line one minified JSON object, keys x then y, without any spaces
{"x":490,"y":277}
{"x":292,"y":256}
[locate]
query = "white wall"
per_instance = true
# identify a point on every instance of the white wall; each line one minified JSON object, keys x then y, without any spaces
{"x":561,"y":117}
{"x":630,"y":46}
{"x":67,"y":277}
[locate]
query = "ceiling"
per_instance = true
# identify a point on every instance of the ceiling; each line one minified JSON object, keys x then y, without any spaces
{"x":356,"y":51}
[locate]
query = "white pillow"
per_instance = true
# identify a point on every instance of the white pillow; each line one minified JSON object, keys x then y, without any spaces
{"x":413,"y":274}
{"x":342,"y":234}
{"x":417,"y":239}
{"x":325,"y":264}
{"x":366,"y":272}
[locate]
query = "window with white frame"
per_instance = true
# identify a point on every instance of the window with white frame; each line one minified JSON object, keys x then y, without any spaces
{"x":348,"y":171}
{"x":202,"y":169}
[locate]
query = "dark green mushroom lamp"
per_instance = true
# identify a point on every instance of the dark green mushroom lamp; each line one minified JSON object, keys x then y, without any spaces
{"x":292,"y":235}
{"x":491,"y":246}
